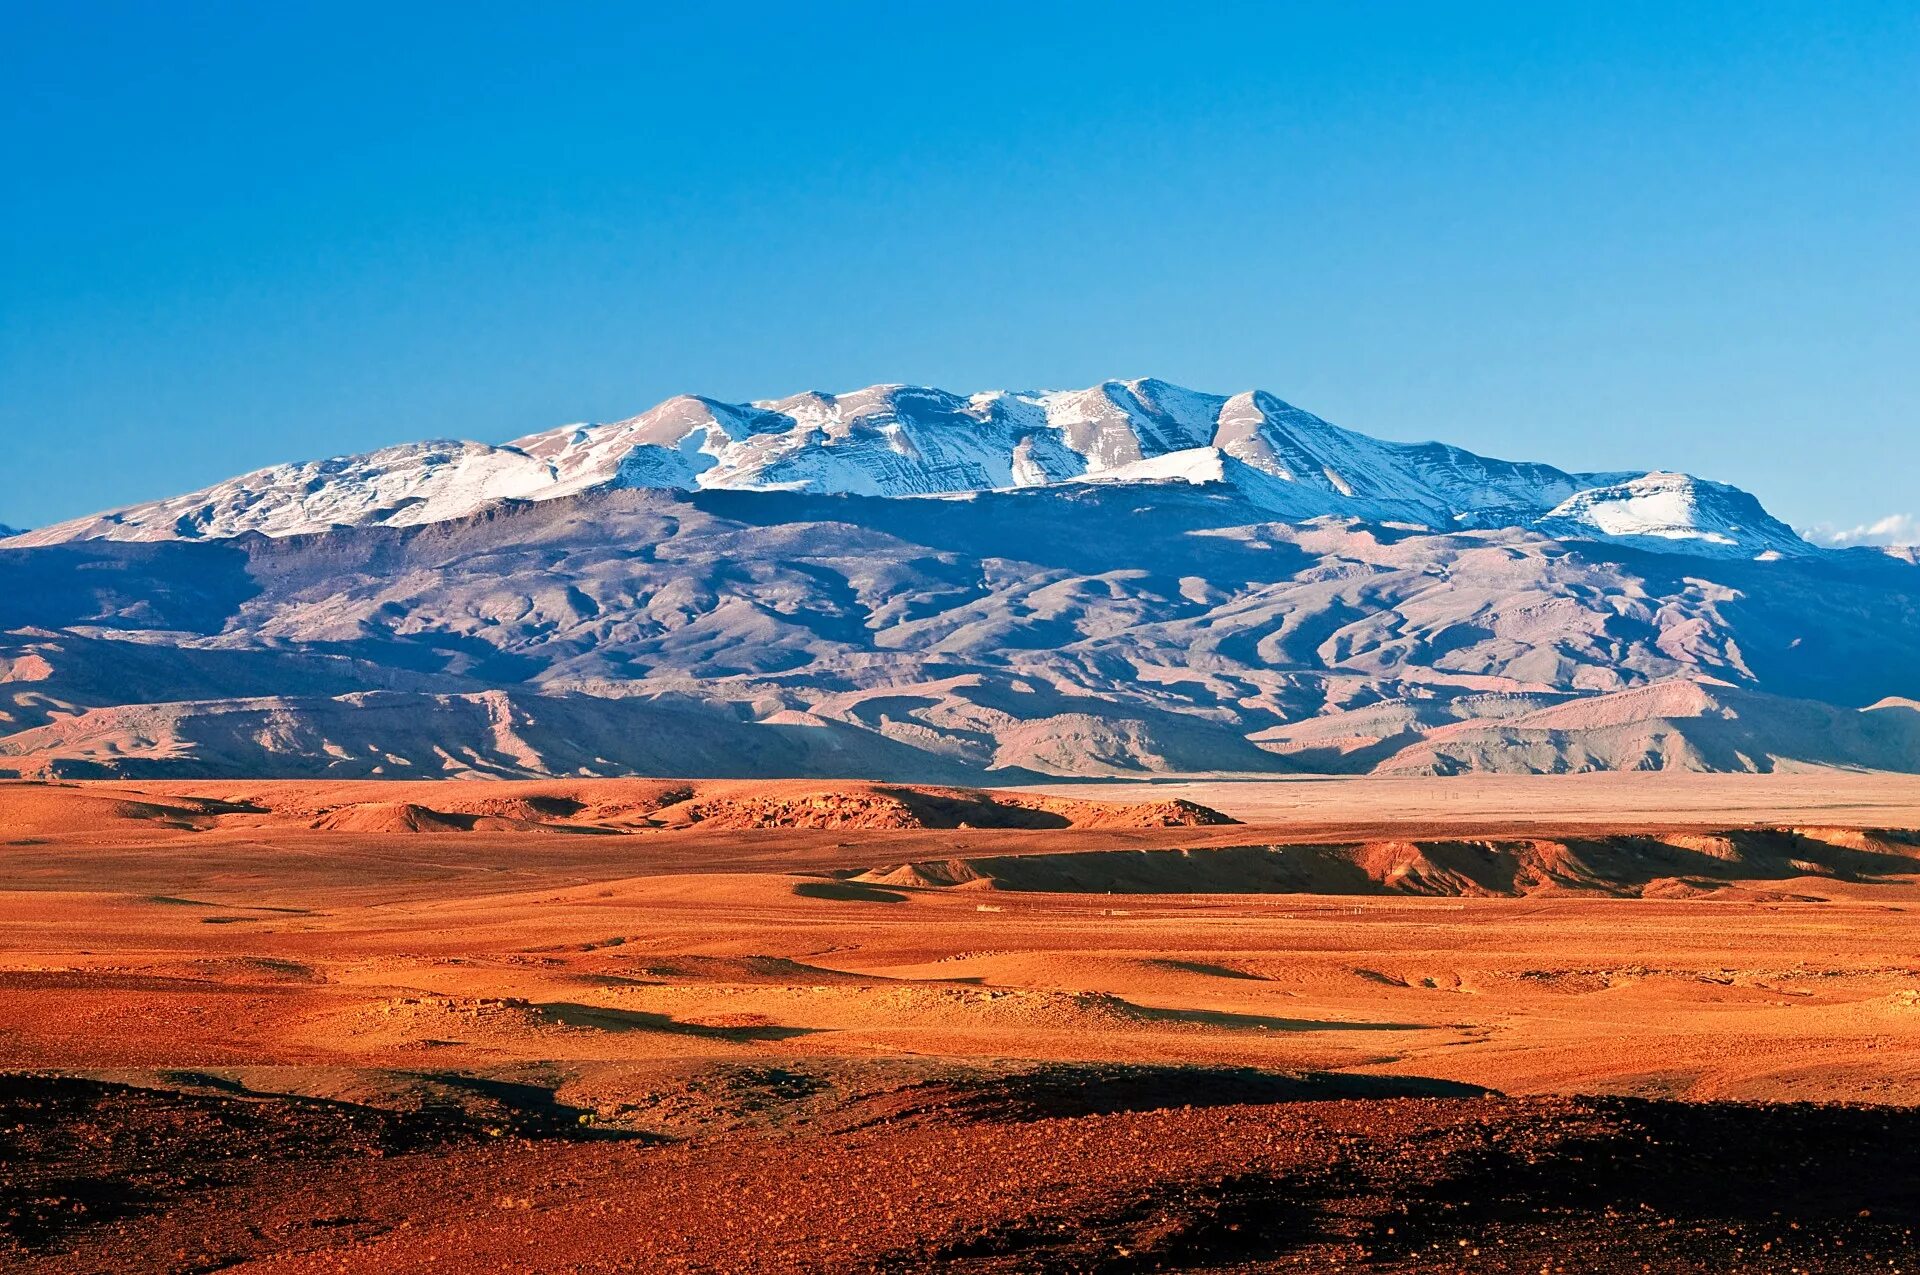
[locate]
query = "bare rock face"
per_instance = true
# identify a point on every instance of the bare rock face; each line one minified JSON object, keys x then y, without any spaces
{"x":907,"y":585}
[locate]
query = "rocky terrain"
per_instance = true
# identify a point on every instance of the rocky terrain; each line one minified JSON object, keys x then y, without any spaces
{"x":905,"y":585}
{"x":1167,"y":1169}
{"x":1390,"y":1024}
{"x":592,"y":807}
{"x":1099,"y":630}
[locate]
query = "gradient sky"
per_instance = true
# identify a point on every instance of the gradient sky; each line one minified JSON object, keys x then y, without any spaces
{"x":1606,"y":236}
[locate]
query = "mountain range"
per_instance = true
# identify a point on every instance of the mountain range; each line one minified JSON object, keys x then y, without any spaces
{"x":906,"y":583}
{"x":898,"y":440}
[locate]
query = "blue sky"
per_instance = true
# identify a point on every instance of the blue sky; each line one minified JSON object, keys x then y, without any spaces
{"x":1605,"y":236}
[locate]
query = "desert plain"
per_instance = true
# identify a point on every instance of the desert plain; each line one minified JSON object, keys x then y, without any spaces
{"x":1586,"y":1022}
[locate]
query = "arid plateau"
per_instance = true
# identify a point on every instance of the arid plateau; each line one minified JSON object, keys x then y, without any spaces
{"x":1595,"y":1022}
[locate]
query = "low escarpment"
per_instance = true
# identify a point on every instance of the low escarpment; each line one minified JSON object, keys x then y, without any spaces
{"x":373,"y":808}
{"x":1669,"y":865}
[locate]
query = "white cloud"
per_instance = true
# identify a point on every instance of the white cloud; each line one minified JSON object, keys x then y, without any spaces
{"x":1894,"y":529}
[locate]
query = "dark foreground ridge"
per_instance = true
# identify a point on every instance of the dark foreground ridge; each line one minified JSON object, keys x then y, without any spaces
{"x":1135,"y":1170}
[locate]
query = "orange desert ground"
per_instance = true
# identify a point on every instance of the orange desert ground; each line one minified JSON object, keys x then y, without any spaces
{"x":1607,"y":1022}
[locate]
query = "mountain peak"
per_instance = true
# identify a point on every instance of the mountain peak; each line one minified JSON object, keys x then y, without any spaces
{"x":1666,"y":506}
{"x":893,"y":440}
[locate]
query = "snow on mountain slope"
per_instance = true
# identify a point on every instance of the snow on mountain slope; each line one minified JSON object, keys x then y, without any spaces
{"x":410,"y":483}
{"x":1707,"y":517}
{"x":1196,"y":465}
{"x":900,"y":440}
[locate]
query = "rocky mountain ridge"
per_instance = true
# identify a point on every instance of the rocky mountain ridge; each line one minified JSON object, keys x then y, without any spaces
{"x":1072,"y":628}
{"x":899,"y":440}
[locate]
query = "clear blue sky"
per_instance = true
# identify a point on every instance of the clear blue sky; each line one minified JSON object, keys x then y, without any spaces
{"x":1603,"y":235}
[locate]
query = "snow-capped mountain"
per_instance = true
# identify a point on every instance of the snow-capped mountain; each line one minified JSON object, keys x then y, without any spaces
{"x":1688,"y":511}
{"x":898,"y":440}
